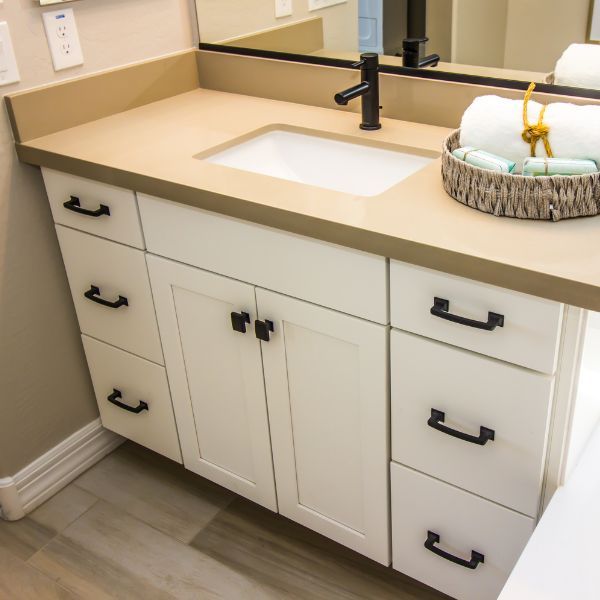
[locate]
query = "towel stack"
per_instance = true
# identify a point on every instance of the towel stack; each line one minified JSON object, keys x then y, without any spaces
{"x":579,"y":66}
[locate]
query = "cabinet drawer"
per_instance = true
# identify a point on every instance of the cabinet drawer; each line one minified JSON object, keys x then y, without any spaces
{"x":119,"y":275}
{"x":133,"y":397}
{"x":423,"y":508}
{"x":350,"y":281}
{"x":434,"y":385}
{"x":528,"y":336}
{"x":122,"y":223}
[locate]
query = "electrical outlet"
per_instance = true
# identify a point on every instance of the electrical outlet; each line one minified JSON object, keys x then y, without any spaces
{"x":283,"y":8}
{"x":9,"y":72}
{"x":63,"y":39}
{"x":319,"y":4}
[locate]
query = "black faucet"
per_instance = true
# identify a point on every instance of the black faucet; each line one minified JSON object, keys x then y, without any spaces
{"x":412,"y":54}
{"x":368,"y":88}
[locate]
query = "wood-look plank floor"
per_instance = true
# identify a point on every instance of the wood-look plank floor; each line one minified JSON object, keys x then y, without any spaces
{"x":137,"y":526}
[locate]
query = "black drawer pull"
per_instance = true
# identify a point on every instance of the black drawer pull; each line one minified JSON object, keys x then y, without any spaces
{"x":239,"y":321}
{"x":262,"y":329}
{"x":132,"y":409}
{"x":434,"y":538}
{"x":93,"y":294}
{"x":441,"y":309}
{"x":74,"y":205}
{"x":437,"y":418}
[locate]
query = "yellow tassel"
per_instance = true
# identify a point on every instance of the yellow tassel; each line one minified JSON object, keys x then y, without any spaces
{"x":533,"y":133}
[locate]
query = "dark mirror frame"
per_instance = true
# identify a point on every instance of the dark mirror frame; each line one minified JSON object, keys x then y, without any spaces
{"x":422,"y":73}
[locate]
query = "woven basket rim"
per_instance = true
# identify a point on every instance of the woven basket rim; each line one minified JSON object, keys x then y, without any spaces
{"x":541,"y":179}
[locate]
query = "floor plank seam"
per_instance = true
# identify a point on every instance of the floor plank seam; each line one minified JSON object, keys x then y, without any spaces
{"x":59,"y":533}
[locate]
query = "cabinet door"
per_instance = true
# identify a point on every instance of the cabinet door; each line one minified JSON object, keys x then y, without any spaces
{"x":216,"y":377}
{"x":327,"y":392}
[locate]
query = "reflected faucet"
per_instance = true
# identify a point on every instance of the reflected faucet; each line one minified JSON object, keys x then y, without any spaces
{"x":368,"y":89}
{"x":412,"y":51}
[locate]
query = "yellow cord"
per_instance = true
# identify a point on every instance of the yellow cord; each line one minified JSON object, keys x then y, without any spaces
{"x":533,"y":133}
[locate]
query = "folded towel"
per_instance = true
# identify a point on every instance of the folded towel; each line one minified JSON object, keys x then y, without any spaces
{"x":495,"y":125}
{"x":558,"y":166}
{"x":483,"y":159}
{"x":579,"y":66}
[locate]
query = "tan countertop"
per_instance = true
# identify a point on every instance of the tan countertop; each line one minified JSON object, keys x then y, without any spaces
{"x":151,"y":149}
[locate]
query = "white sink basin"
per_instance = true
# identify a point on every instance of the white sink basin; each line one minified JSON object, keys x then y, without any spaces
{"x":358,"y":169}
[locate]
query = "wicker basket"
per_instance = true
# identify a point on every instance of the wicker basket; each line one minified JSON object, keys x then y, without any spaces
{"x":502,"y":194}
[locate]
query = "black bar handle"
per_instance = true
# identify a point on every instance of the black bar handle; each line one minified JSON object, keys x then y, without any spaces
{"x":262,"y":329}
{"x":93,"y":294}
{"x":441,"y":308}
{"x":437,"y":418}
{"x":132,"y":409}
{"x":74,"y":205}
{"x":239,"y":320}
{"x":476,"y":557}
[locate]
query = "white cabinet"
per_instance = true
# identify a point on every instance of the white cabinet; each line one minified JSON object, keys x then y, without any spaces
{"x":133,"y":397}
{"x":452,"y":540}
{"x":216,"y":377}
{"x":478,"y":423}
{"x":327,"y":392}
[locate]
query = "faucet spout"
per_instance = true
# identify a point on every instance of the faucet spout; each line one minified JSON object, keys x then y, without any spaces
{"x":342,"y":98}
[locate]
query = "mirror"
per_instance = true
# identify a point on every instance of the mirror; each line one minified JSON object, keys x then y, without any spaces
{"x":483,"y":41}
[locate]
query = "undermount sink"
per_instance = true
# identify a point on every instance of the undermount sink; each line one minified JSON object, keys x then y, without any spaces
{"x":355,"y":168}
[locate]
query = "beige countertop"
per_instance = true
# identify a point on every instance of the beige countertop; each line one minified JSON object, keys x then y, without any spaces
{"x":151,"y":149}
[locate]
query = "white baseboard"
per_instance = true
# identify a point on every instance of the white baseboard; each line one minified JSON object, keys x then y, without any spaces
{"x":45,"y":476}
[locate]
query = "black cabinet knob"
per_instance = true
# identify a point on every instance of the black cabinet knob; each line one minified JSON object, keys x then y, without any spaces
{"x":239,"y":320}
{"x":262,"y":329}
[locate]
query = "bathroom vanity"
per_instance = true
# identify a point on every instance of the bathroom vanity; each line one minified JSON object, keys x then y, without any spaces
{"x":400,"y":380}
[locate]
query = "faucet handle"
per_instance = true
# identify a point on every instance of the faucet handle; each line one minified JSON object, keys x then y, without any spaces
{"x":360,"y":63}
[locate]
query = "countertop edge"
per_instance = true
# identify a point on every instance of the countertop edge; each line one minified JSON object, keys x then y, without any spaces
{"x":440,"y":259}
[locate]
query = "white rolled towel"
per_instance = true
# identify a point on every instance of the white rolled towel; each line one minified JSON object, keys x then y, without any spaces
{"x":579,"y":66}
{"x":495,"y":124}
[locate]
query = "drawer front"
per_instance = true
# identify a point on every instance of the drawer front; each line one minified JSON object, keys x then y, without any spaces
{"x":133,"y":397}
{"x":119,"y":274}
{"x":440,"y":393}
{"x":453,"y":521}
{"x":529,"y":335}
{"x":347,"y":280}
{"x":118,"y":220}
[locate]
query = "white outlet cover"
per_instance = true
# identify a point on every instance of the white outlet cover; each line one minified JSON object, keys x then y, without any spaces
{"x":319,"y":4}
{"x":9,"y":71}
{"x":283,"y":8}
{"x":63,"y":39}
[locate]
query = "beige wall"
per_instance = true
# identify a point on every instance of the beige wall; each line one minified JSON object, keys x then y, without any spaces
{"x":222,"y":19}
{"x":479,"y":32}
{"x":539,"y":30}
{"x":45,"y":392}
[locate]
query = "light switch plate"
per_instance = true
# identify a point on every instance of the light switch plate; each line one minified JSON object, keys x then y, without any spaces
{"x":319,"y":4}
{"x":283,"y":8}
{"x":9,"y":71}
{"x":63,"y":39}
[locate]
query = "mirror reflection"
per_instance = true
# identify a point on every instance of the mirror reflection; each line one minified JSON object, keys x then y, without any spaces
{"x":546,"y":41}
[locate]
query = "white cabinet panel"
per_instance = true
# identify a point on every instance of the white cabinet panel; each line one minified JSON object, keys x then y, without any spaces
{"x":465,"y":524}
{"x":348,"y":280}
{"x":472,"y":391}
{"x":133,"y":397}
{"x":116,"y":272}
{"x":116,"y":209}
{"x":216,"y":378}
{"x":326,"y":378}
{"x":530,"y":332}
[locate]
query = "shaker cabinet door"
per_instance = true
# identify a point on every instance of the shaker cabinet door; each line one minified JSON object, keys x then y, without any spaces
{"x":216,"y":378}
{"x":327,"y":392}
